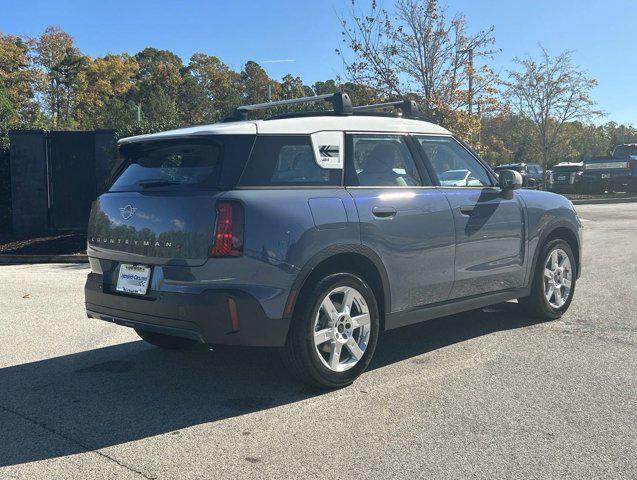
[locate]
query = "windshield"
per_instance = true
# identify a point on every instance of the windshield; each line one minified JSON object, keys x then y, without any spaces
{"x":453,"y":175}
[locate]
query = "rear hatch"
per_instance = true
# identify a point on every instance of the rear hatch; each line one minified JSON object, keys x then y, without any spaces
{"x":565,"y":174}
{"x":607,"y":167}
{"x":161,"y":206}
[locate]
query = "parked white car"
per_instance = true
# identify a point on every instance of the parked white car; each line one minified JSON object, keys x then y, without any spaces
{"x":458,"y":178}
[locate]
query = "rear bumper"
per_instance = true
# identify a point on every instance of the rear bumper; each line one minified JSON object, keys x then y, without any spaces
{"x":204,"y":316}
{"x":563,"y":187}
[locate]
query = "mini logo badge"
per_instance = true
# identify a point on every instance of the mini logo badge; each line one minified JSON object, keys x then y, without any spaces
{"x":127,"y":211}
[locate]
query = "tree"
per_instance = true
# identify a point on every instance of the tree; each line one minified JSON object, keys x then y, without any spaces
{"x":63,"y":67}
{"x":193,"y":104}
{"x":506,"y":138}
{"x":106,"y":79}
{"x":157,"y":84}
{"x":220,"y":84}
{"x":416,"y":51}
{"x":257,"y":87}
{"x":550,"y":92}
{"x":616,"y":134}
{"x":18,"y":79}
{"x":158,"y":69}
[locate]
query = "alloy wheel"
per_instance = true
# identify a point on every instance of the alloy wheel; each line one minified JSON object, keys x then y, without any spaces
{"x":342,"y":328}
{"x":558,"y":277}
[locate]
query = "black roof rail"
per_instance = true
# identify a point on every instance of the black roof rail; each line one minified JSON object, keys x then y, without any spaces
{"x":409,"y":108}
{"x":323,"y":113}
{"x":341,"y":104}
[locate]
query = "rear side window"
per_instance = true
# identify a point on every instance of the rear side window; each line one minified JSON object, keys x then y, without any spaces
{"x":214,"y":161}
{"x":286,"y":160}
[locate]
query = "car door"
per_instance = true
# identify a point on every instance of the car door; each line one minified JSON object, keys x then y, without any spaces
{"x":489,"y":227}
{"x":403,"y":218}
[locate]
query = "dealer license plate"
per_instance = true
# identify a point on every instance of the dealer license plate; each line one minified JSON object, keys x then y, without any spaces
{"x":133,"y":279}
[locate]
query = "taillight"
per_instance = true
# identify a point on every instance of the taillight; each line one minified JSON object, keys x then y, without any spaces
{"x":228,"y":239}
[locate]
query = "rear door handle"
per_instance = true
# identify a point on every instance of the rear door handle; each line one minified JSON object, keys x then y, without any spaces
{"x":467,"y":209}
{"x":384,"y":212}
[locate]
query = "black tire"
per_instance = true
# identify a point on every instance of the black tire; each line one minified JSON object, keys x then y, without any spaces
{"x":536,"y":304}
{"x":165,"y":341}
{"x":299,"y":353}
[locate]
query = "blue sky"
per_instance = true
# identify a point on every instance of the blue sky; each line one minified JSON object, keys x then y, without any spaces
{"x":602,"y":34}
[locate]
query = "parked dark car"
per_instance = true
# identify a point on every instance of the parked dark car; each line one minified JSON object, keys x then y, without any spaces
{"x":532,"y":173}
{"x":611,"y":174}
{"x":566,"y":177}
{"x":314,"y":232}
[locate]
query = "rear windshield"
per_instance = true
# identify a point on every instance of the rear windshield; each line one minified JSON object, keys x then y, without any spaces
{"x":624,"y":151}
{"x":567,"y":168}
{"x":210,"y":162}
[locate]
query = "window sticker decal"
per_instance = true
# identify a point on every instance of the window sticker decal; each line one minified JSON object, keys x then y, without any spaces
{"x":328,"y":149}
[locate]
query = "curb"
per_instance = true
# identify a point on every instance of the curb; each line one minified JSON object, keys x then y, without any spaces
{"x":31,"y":259}
{"x":600,"y":201}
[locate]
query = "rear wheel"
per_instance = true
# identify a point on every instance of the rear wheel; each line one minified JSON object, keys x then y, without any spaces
{"x":165,"y":341}
{"x":333,"y":336}
{"x":554,"y":282}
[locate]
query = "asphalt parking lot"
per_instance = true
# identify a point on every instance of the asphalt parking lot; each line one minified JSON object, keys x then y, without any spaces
{"x":487,"y":394}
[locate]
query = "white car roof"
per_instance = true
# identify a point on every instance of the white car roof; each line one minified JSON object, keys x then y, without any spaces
{"x":570,"y":164}
{"x":301,"y":125}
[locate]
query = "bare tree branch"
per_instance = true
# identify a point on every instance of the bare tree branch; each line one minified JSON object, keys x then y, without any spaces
{"x":550,"y":92}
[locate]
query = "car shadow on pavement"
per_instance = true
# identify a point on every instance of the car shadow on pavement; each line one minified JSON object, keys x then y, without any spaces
{"x":126,"y":392}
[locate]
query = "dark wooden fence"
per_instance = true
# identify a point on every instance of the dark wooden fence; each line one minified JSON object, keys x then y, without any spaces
{"x":55,"y":176}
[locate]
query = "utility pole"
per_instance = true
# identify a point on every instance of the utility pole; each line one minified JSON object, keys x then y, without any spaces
{"x":269,"y":88}
{"x":470,"y":99}
{"x":470,"y":81}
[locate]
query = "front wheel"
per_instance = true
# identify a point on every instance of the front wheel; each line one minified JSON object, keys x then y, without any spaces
{"x":553,"y":283}
{"x":333,"y":336}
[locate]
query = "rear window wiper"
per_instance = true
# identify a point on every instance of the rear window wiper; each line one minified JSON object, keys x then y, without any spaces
{"x":157,"y":183}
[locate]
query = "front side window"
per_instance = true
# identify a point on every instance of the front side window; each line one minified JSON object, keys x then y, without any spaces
{"x":453,"y":164}
{"x":286,"y":160}
{"x":381,"y":161}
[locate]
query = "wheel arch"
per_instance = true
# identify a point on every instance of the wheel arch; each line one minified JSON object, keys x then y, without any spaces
{"x":563,"y":231}
{"x":343,"y":258}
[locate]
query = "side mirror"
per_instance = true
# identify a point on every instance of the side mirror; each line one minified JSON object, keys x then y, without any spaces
{"x":509,"y":180}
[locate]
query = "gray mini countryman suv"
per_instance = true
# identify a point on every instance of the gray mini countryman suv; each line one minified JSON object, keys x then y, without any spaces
{"x":315,"y":231}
